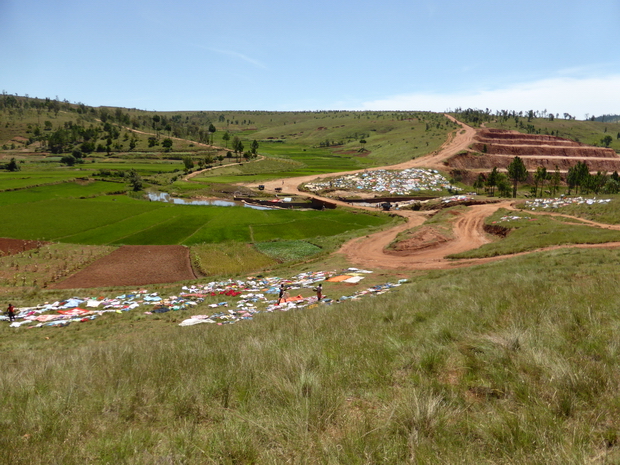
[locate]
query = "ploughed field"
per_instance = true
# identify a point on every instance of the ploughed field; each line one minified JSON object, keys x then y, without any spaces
{"x":15,"y":246}
{"x":136,"y":265}
{"x":496,"y":148}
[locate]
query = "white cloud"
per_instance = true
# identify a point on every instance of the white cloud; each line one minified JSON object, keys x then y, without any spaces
{"x":593,"y":96}
{"x":241,"y":56}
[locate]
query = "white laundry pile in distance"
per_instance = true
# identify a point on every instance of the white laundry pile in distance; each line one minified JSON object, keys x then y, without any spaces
{"x":559,"y":202}
{"x":395,"y":182}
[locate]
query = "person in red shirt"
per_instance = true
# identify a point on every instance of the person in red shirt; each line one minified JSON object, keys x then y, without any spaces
{"x":11,"y":312}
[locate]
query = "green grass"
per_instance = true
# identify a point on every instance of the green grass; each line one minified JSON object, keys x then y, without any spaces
{"x":438,"y":372}
{"x":65,"y":190}
{"x":544,"y":231}
{"x":144,"y":168}
{"x":122,"y":220}
{"x":24,"y":179}
{"x":229,"y":259}
{"x":254,"y":170}
{"x":288,"y":250}
{"x":608,"y":213}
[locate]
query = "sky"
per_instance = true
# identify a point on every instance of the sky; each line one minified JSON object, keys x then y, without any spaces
{"x":414,"y":55}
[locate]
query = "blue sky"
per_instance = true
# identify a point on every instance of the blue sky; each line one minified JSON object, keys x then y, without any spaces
{"x":561,"y":56}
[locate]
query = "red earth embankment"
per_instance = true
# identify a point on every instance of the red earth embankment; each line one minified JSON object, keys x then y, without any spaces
{"x":496,"y":148}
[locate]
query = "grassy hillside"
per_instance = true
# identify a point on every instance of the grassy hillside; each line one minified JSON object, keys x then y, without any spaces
{"x":437,"y":372}
{"x":33,"y":126}
{"x":514,"y":361}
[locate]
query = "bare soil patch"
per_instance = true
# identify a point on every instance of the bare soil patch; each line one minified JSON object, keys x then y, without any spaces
{"x":424,"y":238}
{"x":134,"y":265}
{"x":15,"y":246}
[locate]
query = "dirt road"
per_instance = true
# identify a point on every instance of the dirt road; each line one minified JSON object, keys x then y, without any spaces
{"x":370,"y":251}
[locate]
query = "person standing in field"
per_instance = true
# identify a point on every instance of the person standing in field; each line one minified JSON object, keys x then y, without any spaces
{"x":319,"y":292}
{"x":11,"y":312}
{"x":281,"y":294}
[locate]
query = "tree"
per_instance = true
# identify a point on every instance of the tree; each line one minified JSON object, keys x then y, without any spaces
{"x":237,"y":145}
{"x":58,"y":140}
{"x":212,"y":131}
{"x":68,"y":160}
{"x":571,"y":178}
{"x":540,"y":177}
{"x":503,"y":186}
{"x":597,"y":182}
{"x":479,"y":182}
{"x":220,"y":158}
{"x":188,"y":163}
{"x":606,"y":140}
{"x":612,"y":186}
{"x":254,"y":147}
{"x":135,"y":181}
{"x":167,"y":144}
{"x":517,"y":172}
{"x":491,"y":181}
{"x":578,"y":176}
{"x":13,"y":165}
{"x":226,"y":138}
{"x":556,"y":178}
{"x":87,"y":147}
{"x":363,"y":144}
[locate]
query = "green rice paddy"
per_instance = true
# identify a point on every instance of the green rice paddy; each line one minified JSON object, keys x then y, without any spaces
{"x":56,"y":213}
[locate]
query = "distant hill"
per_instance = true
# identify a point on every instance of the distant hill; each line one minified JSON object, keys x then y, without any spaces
{"x":608,"y":118}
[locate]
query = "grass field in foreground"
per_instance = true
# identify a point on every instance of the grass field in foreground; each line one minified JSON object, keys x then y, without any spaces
{"x":436,"y":372}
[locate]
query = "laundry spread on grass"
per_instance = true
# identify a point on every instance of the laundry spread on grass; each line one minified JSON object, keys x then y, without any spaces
{"x":457,"y":198}
{"x":234,"y":300}
{"x":395,"y":182}
{"x":563,"y":202}
{"x":508,"y":218}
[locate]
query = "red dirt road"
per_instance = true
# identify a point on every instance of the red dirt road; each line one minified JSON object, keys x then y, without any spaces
{"x":134,"y":265}
{"x":370,"y":251}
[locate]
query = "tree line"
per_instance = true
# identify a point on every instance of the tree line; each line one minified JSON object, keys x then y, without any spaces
{"x":579,"y":180}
